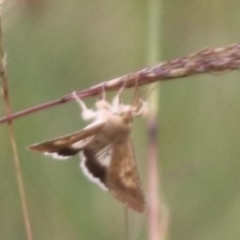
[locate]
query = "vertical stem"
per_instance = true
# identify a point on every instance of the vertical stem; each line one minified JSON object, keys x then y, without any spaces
{"x":126,"y":219}
{"x":5,"y":93}
{"x":157,"y":212}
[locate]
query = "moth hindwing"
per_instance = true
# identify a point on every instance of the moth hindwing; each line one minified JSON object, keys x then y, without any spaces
{"x":105,"y":148}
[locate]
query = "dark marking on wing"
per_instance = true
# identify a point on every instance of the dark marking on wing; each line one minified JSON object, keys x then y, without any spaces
{"x":93,"y":166}
{"x":67,"y":152}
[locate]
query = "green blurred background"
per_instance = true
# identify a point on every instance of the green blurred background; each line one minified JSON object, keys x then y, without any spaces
{"x":55,"y":47}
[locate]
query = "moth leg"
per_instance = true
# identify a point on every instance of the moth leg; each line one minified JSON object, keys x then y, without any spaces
{"x":102,"y":103}
{"x":117,"y":100}
{"x":141,"y":107}
{"x":116,"y":103}
{"x":102,"y":96}
{"x":104,"y":91}
{"x":143,"y":110}
{"x":86,"y":113}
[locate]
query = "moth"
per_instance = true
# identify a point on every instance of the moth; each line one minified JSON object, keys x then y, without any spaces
{"x":105,"y":148}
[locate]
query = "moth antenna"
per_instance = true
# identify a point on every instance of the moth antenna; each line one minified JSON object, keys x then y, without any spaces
{"x":117,"y":100}
{"x":86,"y":114}
{"x":136,"y":97}
{"x":143,"y":108}
{"x":150,"y":91}
{"x":140,"y":107}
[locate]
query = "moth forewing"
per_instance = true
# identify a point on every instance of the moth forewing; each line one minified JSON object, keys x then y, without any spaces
{"x":67,"y":145}
{"x":122,"y":176}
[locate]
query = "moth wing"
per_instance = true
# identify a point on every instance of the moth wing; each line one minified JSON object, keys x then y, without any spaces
{"x":122,"y":176}
{"x":68,"y":145}
{"x":95,"y":163}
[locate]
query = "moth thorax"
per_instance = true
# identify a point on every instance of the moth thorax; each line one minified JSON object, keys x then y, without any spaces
{"x":102,"y":104}
{"x":117,"y":126}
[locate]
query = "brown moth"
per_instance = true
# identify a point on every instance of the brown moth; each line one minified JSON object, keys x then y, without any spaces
{"x":105,"y":148}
